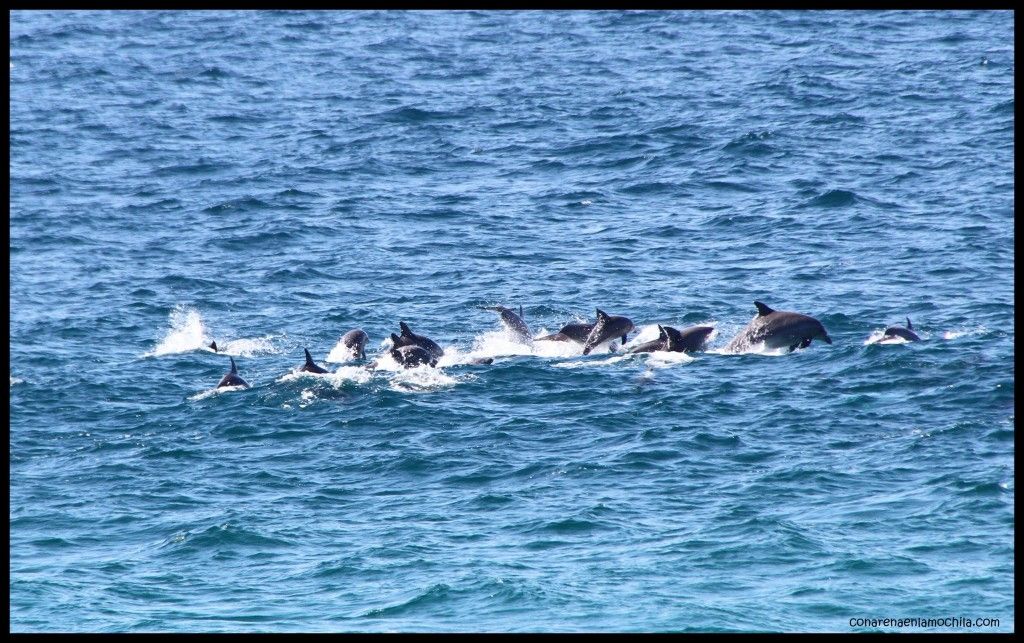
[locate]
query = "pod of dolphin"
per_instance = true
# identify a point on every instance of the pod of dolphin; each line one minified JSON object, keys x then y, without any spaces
{"x":772,"y":329}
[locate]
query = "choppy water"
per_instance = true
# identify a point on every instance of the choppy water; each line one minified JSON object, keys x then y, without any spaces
{"x":271,"y":180}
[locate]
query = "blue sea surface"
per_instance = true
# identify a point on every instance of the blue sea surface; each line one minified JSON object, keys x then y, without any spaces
{"x":271,"y":180}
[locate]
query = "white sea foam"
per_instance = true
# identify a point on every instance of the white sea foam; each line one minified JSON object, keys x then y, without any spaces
{"x":423,"y":378}
{"x":16,"y":380}
{"x":216,"y":391}
{"x":336,"y":378}
{"x":665,"y":359}
{"x":356,"y":374}
{"x":589,"y":363}
{"x":249,"y":346}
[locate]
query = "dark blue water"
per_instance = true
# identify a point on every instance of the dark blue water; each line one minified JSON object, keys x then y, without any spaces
{"x":271,"y":180}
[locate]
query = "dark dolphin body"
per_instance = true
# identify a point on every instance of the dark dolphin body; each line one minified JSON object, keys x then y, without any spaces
{"x":778,"y":329}
{"x":310,"y":366}
{"x":409,"y":338}
{"x":355,"y":340}
{"x":570,"y":333}
{"x":607,"y":327}
{"x":669,"y":339}
{"x":411,"y":355}
{"x":231,"y":378}
{"x":898,"y":331}
{"x":514,"y":323}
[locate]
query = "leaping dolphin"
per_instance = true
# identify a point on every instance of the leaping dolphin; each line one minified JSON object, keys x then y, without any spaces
{"x":570,"y":333}
{"x":778,"y":329}
{"x":607,"y":327}
{"x":231,"y":378}
{"x":310,"y":366}
{"x":669,"y":339}
{"x":514,"y":323}
{"x":408,"y":338}
{"x":898,"y":331}
{"x":411,"y":355}
{"x":355,"y":340}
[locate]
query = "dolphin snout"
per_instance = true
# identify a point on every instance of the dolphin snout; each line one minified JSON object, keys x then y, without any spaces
{"x":826,"y":339}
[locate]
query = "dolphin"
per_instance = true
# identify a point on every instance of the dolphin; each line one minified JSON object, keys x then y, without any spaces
{"x":213,"y":345}
{"x":570,"y":333}
{"x":410,"y":355}
{"x":778,"y":329}
{"x":310,"y":366}
{"x":408,"y":338}
{"x":514,"y":323}
{"x":898,"y":331}
{"x":231,"y":378}
{"x":355,"y":340}
{"x":607,"y":327}
{"x":669,"y":339}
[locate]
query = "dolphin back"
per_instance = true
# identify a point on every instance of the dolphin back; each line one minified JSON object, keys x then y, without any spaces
{"x":231,"y":378}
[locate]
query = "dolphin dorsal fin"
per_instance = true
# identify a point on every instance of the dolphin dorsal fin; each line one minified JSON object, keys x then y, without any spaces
{"x":520,"y":311}
{"x":909,"y":327}
{"x":763,"y":309}
{"x":405,"y":328}
{"x":309,"y":358}
{"x":213,"y":345}
{"x":234,"y":369}
{"x":601,"y":315}
{"x":395,"y":340}
{"x":662,"y":333}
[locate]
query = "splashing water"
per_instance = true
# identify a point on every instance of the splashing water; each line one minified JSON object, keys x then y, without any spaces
{"x":186,"y":333}
{"x":424,"y":378}
{"x":341,"y":353}
{"x":247,"y":347}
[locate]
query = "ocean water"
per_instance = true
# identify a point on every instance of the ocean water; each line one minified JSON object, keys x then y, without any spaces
{"x":272,"y":180}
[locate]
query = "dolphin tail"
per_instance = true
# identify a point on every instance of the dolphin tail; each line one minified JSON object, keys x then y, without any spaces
{"x":763,"y":309}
